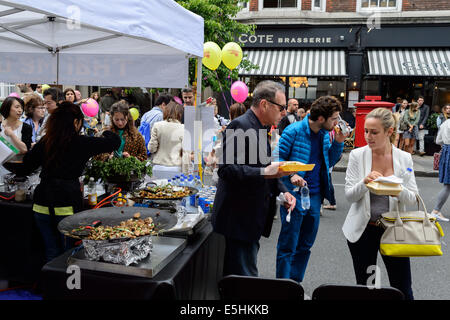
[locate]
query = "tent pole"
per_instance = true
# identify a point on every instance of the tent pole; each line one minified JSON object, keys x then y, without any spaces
{"x":199,"y":80}
{"x":199,"y":101}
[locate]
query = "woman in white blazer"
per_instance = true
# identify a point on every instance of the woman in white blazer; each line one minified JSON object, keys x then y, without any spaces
{"x":379,"y":158}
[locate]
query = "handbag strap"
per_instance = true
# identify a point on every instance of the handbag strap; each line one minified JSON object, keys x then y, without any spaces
{"x":427,"y":226}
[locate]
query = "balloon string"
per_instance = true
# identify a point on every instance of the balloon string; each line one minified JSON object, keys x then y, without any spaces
{"x":231,"y":84}
{"x":223,"y":95}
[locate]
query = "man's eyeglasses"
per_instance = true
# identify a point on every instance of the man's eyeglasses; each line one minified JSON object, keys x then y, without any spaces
{"x":282,"y":107}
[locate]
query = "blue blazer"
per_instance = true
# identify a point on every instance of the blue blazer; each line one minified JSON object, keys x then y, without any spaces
{"x":295,"y":145}
{"x":245,"y":201}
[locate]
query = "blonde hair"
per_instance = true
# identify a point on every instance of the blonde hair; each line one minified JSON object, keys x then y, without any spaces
{"x":413,"y":106}
{"x":387,"y":119}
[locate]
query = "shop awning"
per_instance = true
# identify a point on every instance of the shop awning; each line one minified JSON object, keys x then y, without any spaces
{"x":409,"y":62}
{"x":296,"y":62}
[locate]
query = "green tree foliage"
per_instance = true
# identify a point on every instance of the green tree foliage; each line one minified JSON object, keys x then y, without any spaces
{"x":221,"y":28}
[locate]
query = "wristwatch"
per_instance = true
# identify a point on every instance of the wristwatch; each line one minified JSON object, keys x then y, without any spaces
{"x":291,"y":175}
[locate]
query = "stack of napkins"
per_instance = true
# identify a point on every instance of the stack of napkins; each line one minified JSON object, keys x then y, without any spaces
{"x":188,"y":221}
{"x":391,"y":179}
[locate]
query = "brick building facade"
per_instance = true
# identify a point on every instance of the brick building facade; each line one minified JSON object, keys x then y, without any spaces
{"x":351,"y":48}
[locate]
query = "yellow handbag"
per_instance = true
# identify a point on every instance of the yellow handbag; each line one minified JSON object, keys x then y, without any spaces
{"x":410,"y":234}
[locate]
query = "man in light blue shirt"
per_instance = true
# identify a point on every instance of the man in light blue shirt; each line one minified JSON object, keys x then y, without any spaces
{"x":153,"y":116}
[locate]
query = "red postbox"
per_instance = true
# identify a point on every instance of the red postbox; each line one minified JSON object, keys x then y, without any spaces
{"x":362,"y":109}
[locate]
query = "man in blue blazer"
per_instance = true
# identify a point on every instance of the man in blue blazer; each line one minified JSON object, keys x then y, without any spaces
{"x":248,"y":185}
{"x":307,"y":141}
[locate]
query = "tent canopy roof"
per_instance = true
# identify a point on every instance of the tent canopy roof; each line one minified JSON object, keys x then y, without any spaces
{"x":57,"y":36}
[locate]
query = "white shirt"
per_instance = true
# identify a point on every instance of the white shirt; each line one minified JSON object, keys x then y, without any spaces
{"x":443,"y":136}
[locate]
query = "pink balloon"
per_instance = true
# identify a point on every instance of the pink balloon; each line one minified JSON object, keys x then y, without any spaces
{"x":239,"y":91}
{"x":90,"y":107}
{"x":14,"y":94}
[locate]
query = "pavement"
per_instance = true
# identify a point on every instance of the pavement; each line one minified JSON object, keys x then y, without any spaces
{"x":331,"y":262}
{"x":423,"y":166}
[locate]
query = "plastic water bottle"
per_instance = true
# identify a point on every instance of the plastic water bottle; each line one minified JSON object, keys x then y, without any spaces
{"x":198,"y":182}
{"x":92,"y":192}
{"x":182,"y":183}
{"x":304,"y":192}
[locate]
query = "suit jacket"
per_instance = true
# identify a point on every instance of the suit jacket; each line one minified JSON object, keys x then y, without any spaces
{"x":357,"y":193}
{"x":245,"y":202}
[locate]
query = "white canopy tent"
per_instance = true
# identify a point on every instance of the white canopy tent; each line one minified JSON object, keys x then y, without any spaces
{"x":129,"y":43}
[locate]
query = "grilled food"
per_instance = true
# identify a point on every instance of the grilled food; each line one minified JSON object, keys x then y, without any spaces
{"x":164,"y":192}
{"x":131,"y":228}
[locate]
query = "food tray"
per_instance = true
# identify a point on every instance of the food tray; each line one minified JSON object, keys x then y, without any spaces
{"x":384,"y":189}
{"x":296,"y":166}
{"x":164,"y":250}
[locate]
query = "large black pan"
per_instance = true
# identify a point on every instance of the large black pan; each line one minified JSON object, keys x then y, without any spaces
{"x":113,"y":216}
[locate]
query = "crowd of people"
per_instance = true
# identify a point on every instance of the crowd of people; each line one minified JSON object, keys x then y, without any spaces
{"x":52,"y":132}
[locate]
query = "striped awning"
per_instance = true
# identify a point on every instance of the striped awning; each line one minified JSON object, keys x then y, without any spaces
{"x":296,"y":62}
{"x":409,"y":62}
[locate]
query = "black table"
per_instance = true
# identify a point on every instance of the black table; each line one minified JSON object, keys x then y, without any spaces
{"x":191,"y":275}
{"x":21,"y":245}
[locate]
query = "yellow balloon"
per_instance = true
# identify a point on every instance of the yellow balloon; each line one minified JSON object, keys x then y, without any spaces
{"x":231,"y":55}
{"x":134,"y":113}
{"x":212,"y":55}
{"x":45,"y":87}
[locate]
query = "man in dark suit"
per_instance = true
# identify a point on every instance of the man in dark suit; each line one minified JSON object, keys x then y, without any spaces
{"x":245,"y":202}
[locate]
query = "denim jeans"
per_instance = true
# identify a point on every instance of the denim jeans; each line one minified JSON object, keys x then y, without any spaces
{"x":364,"y":254}
{"x":296,"y":239}
{"x":240,"y":257}
{"x":55,"y":242}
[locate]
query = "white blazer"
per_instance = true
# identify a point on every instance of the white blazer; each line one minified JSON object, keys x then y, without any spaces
{"x":356,"y":192}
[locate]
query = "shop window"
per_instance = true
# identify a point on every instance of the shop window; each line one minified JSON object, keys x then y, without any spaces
{"x":441,"y":93}
{"x":370,"y":88}
{"x":302,"y":88}
{"x":243,"y":5}
{"x":330,"y":87}
{"x":280,"y":4}
{"x":253,"y":81}
{"x":318,"y":5}
{"x":379,"y":5}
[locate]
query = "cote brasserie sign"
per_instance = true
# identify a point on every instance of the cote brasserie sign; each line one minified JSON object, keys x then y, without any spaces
{"x":295,"y":37}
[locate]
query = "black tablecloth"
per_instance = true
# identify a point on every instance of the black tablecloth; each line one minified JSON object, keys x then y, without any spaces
{"x":21,"y":245}
{"x":193,"y":274}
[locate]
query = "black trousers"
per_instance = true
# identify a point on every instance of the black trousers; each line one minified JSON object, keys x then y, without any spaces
{"x":364,"y":254}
